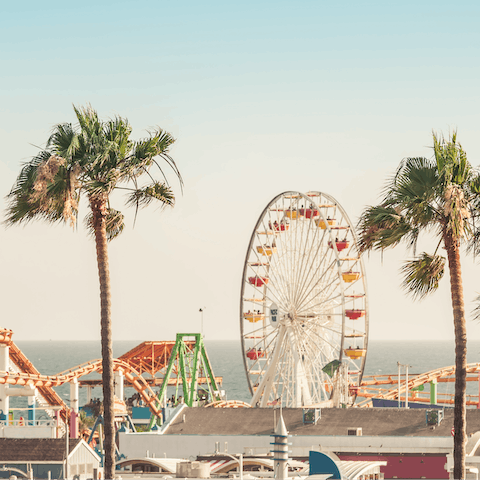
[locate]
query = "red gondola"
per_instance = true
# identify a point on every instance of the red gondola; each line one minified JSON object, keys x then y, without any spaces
{"x":354,"y":313}
{"x":254,"y":354}
{"x":309,"y":212}
{"x":341,"y":244}
{"x":280,"y":227}
{"x":258,"y":281}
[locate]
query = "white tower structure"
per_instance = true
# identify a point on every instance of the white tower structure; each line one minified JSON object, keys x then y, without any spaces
{"x":280,"y":450}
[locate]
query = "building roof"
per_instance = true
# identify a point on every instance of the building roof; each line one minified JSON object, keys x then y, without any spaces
{"x":333,"y":421}
{"x":35,"y":449}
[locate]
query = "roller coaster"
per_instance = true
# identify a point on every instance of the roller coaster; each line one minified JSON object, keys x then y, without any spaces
{"x":170,"y":359}
{"x":376,"y":386}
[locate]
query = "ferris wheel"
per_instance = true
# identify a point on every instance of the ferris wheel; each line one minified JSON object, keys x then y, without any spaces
{"x":303,"y":308}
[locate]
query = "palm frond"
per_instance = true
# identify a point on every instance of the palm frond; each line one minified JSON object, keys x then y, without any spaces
{"x":114,"y":224}
{"x":381,"y":227}
{"x":414,"y":190}
{"x":423,"y":274}
{"x":141,"y":197}
{"x":476,"y":310}
{"x":451,"y":159}
{"x":40,"y":191}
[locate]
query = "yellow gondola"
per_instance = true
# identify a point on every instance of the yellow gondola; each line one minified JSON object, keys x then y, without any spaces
{"x":350,"y":277}
{"x":321,"y":223}
{"x":266,"y":250}
{"x":291,"y":214}
{"x":355,"y":353}
{"x":253,"y":317}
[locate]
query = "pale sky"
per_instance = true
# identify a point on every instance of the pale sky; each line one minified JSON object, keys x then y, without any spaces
{"x":263,"y":97}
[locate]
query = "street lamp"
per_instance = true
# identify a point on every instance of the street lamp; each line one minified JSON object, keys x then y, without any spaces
{"x":239,"y":460}
{"x":201,"y":319}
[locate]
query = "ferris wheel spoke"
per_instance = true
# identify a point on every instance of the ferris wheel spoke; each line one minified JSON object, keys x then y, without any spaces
{"x":311,"y":252}
{"x":278,"y":285}
{"x":335,"y":347}
{"x":328,"y":265}
{"x":304,"y":241}
{"x":330,"y":282}
{"x":315,"y":281}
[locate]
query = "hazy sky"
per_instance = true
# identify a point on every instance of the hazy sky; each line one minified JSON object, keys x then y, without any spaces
{"x":263,"y":97}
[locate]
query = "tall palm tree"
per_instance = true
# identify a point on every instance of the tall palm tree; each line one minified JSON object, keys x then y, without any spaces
{"x":431,"y":196}
{"x":92,"y":159}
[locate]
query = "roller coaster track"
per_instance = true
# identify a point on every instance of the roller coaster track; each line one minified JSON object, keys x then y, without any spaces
{"x":28,"y":375}
{"x":371,"y":386}
{"x":46,"y":382}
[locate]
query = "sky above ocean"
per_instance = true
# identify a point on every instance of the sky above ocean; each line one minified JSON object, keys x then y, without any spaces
{"x":262,"y":97}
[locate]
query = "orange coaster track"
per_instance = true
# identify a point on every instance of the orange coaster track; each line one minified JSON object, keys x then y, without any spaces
{"x":30,"y":376}
{"x":26,"y":366}
{"x":46,"y":382}
{"x":371,"y":386}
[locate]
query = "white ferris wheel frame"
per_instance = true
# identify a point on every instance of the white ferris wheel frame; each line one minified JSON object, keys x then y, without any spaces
{"x":290,"y":368}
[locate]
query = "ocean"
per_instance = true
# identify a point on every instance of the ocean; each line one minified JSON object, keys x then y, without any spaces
{"x":52,"y":357}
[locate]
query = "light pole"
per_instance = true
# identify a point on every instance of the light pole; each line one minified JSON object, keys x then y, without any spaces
{"x":400,"y":365}
{"x":239,"y":460}
{"x":201,"y":319}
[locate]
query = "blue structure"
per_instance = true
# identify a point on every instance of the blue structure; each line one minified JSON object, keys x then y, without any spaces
{"x":321,"y":463}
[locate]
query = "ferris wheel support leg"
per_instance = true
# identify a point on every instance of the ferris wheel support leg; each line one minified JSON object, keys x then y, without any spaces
{"x":302,"y":394}
{"x":263,"y":391}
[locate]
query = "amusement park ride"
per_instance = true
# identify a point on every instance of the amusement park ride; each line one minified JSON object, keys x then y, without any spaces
{"x":304,"y":331}
{"x":304,"y":308}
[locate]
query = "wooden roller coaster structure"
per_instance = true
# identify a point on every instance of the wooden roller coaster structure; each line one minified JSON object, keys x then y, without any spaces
{"x":373,"y":386}
{"x":148,"y":357}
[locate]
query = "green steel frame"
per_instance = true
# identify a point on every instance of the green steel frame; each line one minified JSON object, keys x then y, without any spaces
{"x":190,"y":364}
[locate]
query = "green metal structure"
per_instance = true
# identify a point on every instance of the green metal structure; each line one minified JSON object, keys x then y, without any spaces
{"x":191,"y":364}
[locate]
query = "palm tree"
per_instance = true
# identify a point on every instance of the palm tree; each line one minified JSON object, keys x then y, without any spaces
{"x":431,"y":196}
{"x":94,"y":158}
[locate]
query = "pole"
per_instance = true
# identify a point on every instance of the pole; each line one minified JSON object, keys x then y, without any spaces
{"x":239,"y":460}
{"x":406,"y":386}
{"x":201,"y":319}
{"x":399,"y":367}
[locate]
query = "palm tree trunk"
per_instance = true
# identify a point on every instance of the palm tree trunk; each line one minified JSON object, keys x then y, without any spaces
{"x":456,"y":287}
{"x":98,"y":204}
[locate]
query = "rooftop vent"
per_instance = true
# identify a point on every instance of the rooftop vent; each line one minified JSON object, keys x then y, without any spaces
{"x":355,"y":431}
{"x":434,"y":417}
{"x":311,"y":415}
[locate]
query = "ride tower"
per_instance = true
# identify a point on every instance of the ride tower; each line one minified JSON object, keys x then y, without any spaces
{"x":188,"y":365}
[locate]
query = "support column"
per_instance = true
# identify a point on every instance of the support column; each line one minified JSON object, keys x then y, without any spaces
{"x":4,"y":365}
{"x":433,"y":392}
{"x":31,"y":410}
{"x":74,"y":395}
{"x":118,"y":381}
{"x":478,"y":404}
{"x":406,"y":386}
{"x":73,"y":424}
{"x":89,"y":394}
